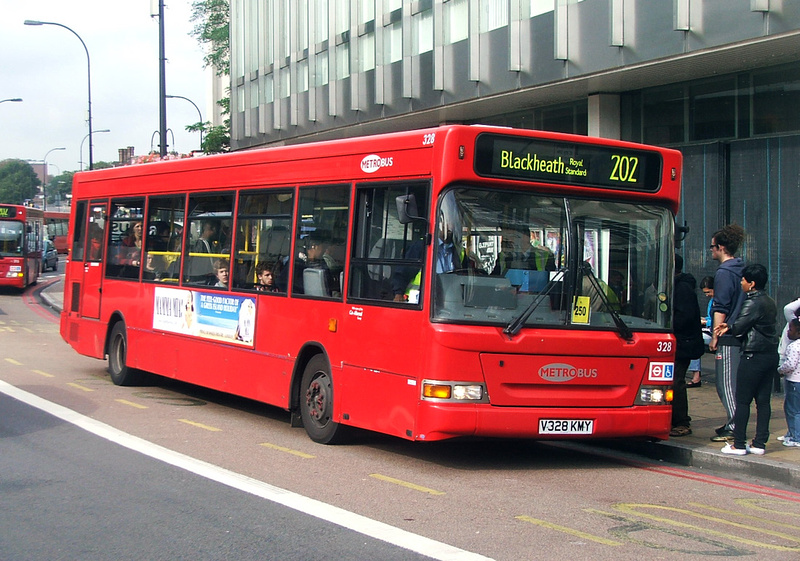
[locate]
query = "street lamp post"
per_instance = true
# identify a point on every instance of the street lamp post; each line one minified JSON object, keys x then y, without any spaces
{"x":88,"y":73}
{"x":199,"y":114}
{"x":14,"y":99}
{"x":84,"y":140}
{"x":44,"y":183}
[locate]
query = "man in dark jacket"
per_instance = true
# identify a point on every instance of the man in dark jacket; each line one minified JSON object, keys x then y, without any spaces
{"x":755,"y":328}
{"x":689,"y":344}
{"x":728,"y":298}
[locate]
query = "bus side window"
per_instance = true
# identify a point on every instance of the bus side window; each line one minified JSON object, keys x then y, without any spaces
{"x":208,"y":238}
{"x":165,"y":218}
{"x":126,"y":238}
{"x":79,"y":232}
{"x":322,"y":228}
{"x":263,"y":239}
{"x":388,"y":255}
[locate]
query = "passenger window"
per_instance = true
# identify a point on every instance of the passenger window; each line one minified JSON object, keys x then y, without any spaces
{"x":263,"y":240}
{"x":125,"y":238}
{"x":208,"y":238}
{"x":320,"y":238}
{"x":387,"y":261}
{"x":165,"y":219}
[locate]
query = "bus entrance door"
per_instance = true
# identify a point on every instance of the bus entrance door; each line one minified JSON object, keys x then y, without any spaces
{"x":93,"y":263}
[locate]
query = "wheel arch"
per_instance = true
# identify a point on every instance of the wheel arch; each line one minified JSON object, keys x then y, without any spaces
{"x":115,"y":318}
{"x":307,"y":352}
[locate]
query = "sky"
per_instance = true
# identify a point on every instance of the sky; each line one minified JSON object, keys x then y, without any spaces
{"x":46,"y":66}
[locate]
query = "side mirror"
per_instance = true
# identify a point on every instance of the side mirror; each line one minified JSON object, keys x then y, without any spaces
{"x":680,"y":233}
{"x":407,"y":209}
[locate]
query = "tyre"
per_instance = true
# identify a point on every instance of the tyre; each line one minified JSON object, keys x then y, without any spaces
{"x":316,"y":403}
{"x":120,"y":373}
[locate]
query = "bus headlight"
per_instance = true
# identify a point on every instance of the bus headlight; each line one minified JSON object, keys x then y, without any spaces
{"x":435,"y":390}
{"x":654,"y":395}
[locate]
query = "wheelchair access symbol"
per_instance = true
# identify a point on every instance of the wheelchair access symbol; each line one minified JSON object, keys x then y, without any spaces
{"x":661,"y":371}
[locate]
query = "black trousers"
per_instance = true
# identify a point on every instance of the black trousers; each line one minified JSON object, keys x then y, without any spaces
{"x":754,"y":381}
{"x":680,"y":401}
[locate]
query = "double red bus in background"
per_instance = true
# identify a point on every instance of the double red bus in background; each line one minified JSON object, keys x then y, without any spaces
{"x":463,"y":280}
{"x":21,"y":238}
{"x":57,"y":224}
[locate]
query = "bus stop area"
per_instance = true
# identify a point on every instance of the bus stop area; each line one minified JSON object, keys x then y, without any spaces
{"x":780,"y":465}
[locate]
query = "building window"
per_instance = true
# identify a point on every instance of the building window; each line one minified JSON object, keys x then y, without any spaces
{"x":494,"y":14}
{"x":663,"y":113}
{"x":456,"y":14}
{"x":539,"y":7}
{"x":393,"y":43}
{"x":422,"y":32}
{"x":776,"y":97}
{"x":713,"y":109}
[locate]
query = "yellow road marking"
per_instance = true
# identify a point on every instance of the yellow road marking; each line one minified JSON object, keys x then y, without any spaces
{"x":566,"y":530}
{"x":84,"y":388}
{"x":630,"y":508}
{"x":751,"y":503}
{"x":14,"y":362}
{"x":132,"y":404}
{"x":200,"y":425}
{"x":41,"y":373}
{"x":748,"y":516}
{"x":406,"y":484}
{"x":287,"y":450}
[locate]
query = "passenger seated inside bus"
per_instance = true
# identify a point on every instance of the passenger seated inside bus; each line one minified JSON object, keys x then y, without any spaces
{"x":265,"y":273}
{"x":221,"y":270}
{"x":320,"y":280}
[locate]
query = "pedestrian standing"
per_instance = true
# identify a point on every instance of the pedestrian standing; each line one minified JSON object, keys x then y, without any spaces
{"x":790,"y":368}
{"x":755,"y":327}
{"x":688,"y":344}
{"x":728,"y":298}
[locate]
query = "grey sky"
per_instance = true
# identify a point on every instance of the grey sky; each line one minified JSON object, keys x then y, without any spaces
{"x":46,"y":67}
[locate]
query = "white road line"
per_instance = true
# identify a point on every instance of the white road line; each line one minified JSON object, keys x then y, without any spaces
{"x":357,"y":523}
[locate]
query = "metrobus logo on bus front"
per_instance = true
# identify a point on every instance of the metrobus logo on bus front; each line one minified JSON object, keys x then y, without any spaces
{"x":373,"y":162}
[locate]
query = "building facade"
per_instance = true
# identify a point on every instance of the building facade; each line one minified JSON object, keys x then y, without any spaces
{"x":717,"y":79}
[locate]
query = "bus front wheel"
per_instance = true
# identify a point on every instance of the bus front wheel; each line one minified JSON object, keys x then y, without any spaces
{"x":316,"y":403}
{"x":120,"y":373}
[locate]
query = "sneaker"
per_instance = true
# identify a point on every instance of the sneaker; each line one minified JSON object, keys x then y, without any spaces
{"x":789,"y":443}
{"x":751,"y":449}
{"x":724,"y":436}
{"x":782,"y":438}
{"x":733,"y":451}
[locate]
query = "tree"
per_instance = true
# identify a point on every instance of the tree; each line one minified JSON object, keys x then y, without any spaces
{"x":212,"y":30}
{"x":18,"y":182}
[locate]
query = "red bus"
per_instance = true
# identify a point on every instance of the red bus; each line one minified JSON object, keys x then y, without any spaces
{"x":21,"y":238}
{"x":462,"y":280}
{"x":57,"y":224}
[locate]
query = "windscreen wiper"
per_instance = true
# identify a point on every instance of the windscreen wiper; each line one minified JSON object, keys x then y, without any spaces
{"x":623,"y":328}
{"x":515,"y":325}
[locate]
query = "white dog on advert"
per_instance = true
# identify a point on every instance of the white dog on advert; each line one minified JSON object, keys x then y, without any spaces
{"x":245,"y":331}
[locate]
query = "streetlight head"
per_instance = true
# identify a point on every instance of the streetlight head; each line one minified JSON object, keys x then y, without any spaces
{"x":33,"y":22}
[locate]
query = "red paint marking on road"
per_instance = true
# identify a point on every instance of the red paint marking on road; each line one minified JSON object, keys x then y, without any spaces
{"x":29,"y":298}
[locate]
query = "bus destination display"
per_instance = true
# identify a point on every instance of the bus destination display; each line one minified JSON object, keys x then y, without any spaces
{"x":7,"y":211}
{"x":562,"y":162}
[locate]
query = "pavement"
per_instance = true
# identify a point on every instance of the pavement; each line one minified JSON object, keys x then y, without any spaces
{"x":780,"y":465}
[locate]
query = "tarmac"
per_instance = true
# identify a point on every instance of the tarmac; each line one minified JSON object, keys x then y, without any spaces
{"x":780,"y":465}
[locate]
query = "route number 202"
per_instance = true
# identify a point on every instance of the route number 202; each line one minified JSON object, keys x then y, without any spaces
{"x":624,"y":168}
{"x":664,"y":347}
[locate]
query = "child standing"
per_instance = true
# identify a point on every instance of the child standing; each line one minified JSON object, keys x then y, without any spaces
{"x":790,"y":368}
{"x":755,"y":329}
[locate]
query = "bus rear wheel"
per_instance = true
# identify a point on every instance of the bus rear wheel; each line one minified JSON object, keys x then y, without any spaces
{"x":316,"y":403}
{"x":120,"y":373}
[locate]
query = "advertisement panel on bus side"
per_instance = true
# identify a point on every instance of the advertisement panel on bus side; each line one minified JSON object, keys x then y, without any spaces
{"x":209,"y":315}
